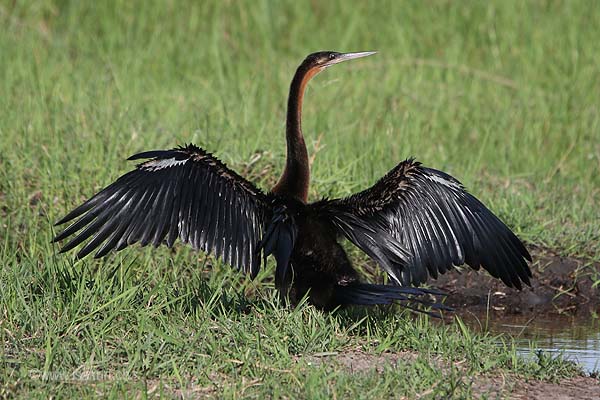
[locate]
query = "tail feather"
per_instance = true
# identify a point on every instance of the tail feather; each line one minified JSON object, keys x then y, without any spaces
{"x":369,"y":294}
{"x":279,"y":238}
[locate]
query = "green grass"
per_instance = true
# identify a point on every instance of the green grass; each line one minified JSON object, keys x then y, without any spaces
{"x":505,"y":96}
{"x":172,"y":327}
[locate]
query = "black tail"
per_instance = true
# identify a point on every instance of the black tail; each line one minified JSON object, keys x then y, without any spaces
{"x":367,"y":294}
{"x":279,"y":239}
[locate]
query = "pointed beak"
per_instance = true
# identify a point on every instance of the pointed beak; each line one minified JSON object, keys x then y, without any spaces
{"x":350,"y":56}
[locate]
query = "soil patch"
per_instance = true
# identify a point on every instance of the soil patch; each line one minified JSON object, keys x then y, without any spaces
{"x":580,"y":387}
{"x":560,"y":285}
{"x":358,"y":361}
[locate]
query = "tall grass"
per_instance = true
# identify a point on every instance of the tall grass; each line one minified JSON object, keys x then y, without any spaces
{"x":503,"y":95}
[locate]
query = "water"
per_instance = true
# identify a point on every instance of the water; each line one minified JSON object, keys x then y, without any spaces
{"x":577,"y":340}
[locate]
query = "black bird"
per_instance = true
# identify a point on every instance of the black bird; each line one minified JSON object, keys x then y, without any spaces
{"x":415,"y":222}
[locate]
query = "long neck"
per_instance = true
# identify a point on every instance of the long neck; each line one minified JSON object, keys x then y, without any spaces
{"x":296,"y":176}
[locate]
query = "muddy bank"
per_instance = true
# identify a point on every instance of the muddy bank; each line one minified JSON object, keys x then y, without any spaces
{"x":560,"y":286}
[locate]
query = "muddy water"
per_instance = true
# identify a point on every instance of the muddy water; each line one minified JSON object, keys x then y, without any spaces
{"x":577,"y":339}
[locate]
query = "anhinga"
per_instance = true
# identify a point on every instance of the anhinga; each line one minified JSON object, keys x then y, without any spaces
{"x":414,"y":222}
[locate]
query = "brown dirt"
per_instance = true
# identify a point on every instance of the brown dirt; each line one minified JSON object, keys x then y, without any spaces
{"x":580,"y":388}
{"x":560,"y":286}
{"x":504,"y":386}
{"x":358,"y":361}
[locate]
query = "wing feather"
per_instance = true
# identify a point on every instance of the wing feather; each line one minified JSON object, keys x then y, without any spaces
{"x":435,"y":220}
{"x":183,"y":193}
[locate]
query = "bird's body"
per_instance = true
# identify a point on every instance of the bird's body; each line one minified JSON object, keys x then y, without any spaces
{"x":318,"y":264}
{"x":415,"y":222}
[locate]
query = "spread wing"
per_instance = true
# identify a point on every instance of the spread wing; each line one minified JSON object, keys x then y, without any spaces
{"x":430,"y":215}
{"x":183,"y":193}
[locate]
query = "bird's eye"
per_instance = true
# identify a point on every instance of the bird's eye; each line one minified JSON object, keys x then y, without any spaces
{"x":331,"y":56}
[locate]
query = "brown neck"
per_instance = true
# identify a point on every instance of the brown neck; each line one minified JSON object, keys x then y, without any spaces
{"x":296,"y":176}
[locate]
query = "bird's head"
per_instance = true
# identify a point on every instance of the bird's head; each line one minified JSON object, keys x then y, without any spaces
{"x":323,"y":59}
